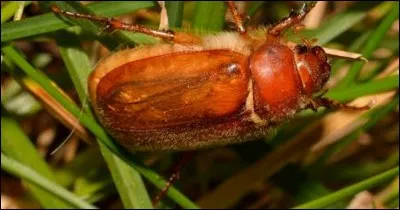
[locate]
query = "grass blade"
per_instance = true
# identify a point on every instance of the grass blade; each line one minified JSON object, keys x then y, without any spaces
{"x":209,"y":15}
{"x":175,"y":13}
{"x":20,"y":170}
{"x":254,"y":7}
{"x":372,"y":87}
{"x":351,"y":190}
{"x":92,"y":125}
{"x":342,"y":22}
{"x":49,"y":22}
{"x":10,"y":8}
{"x":372,"y":43}
{"x":128,"y":181}
{"x":337,"y":25}
{"x":372,"y":116}
{"x":17,"y":145}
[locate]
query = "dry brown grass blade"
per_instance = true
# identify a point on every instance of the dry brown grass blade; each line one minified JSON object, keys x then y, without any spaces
{"x":244,"y":181}
{"x":349,"y":120}
{"x":363,"y":200}
{"x":344,"y":54}
{"x":315,"y":16}
{"x":56,"y":109}
{"x":390,"y":69}
{"x":163,"y":16}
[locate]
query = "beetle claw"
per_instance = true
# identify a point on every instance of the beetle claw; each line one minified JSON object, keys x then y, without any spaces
{"x":106,"y":28}
{"x":325,"y":102}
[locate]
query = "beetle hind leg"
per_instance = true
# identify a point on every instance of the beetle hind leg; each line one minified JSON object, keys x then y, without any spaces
{"x":175,"y":169}
{"x":113,"y":24}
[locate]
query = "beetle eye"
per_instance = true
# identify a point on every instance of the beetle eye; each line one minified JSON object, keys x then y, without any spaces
{"x":320,"y":53}
{"x":301,"y":48}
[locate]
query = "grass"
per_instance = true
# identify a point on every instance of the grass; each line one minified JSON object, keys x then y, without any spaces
{"x":262,"y":163}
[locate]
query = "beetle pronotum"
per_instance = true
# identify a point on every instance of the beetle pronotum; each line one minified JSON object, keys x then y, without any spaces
{"x":193,"y":92}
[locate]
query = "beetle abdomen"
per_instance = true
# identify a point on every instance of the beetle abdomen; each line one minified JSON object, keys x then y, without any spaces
{"x":193,"y":136}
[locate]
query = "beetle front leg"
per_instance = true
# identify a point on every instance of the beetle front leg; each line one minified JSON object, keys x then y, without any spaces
{"x":293,"y":19}
{"x":238,"y":18}
{"x":326,"y":102}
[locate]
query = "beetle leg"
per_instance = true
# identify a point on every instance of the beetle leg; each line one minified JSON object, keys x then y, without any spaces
{"x":176,"y":168}
{"x":238,"y":20}
{"x":325,"y":102}
{"x":293,"y":19}
{"x":112,"y":24}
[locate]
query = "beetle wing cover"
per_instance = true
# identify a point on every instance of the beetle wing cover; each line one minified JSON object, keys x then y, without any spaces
{"x":176,"y":89}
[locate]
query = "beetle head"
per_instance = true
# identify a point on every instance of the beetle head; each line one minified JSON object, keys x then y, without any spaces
{"x":312,"y":66}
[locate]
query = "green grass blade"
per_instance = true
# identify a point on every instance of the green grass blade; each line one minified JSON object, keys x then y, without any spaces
{"x":372,"y":87}
{"x":76,"y":62}
{"x":351,"y":190}
{"x":337,"y":25}
{"x":49,"y":22}
{"x":253,"y":8}
{"x":294,"y":180}
{"x":356,"y":172}
{"x":10,"y":8}
{"x":175,"y":13}
{"x":369,"y":88}
{"x":89,"y":159}
{"x":128,"y":181}
{"x":373,"y":42}
{"x":17,"y":101}
{"x":92,"y":125}
{"x":392,"y":199}
{"x":18,"y":146}
{"x":340,"y":23}
{"x":209,"y":15}
{"x":16,"y":168}
{"x":110,"y":40}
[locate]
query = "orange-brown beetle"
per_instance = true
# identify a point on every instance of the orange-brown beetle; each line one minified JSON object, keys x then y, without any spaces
{"x":195,"y":92}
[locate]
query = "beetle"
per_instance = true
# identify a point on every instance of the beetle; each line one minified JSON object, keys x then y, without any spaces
{"x":193,"y":92}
